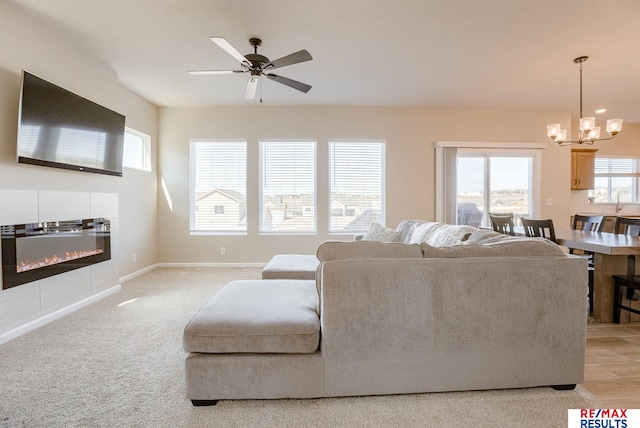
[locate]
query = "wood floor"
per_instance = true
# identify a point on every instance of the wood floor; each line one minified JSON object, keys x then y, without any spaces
{"x":612,"y":369}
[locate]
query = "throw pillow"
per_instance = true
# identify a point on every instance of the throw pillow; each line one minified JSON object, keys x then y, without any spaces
{"x":406,"y":228}
{"x":449,"y":235}
{"x":422,"y":232}
{"x":378,"y":232}
{"x":486,"y":236}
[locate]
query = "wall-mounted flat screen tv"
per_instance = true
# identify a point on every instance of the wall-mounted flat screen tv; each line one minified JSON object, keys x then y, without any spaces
{"x":60,"y":129}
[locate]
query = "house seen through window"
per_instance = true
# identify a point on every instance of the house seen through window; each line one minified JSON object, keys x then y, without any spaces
{"x":356,"y":185}
{"x":288,"y":187}
{"x":218,"y":187}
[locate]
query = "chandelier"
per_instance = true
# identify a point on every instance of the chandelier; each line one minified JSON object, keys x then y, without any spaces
{"x":589,"y":132}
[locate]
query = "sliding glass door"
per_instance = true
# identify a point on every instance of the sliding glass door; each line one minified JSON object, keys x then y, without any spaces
{"x":494,"y":181}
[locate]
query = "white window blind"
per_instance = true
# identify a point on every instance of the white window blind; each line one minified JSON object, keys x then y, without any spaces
{"x":287,"y":187}
{"x":356,"y":186}
{"x":218,"y":186}
{"x":611,"y":167}
{"x":616,"y":180}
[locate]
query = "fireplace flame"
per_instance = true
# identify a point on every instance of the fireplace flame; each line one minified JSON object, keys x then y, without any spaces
{"x":54,"y":260}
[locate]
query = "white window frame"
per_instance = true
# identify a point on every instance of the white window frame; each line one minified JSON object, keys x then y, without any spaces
{"x":262,"y":228}
{"x":144,"y":151}
{"x":192,"y":190}
{"x":343,"y":231}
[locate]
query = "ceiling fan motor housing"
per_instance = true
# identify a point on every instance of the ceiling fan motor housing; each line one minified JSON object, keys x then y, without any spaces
{"x":257,"y":60}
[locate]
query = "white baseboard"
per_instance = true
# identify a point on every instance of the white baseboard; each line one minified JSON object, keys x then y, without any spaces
{"x":138,"y":273}
{"x":211,"y":265}
{"x":188,"y":265}
{"x":45,"y":319}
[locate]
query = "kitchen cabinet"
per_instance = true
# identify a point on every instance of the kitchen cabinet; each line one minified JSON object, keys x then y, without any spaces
{"x":582,"y":165}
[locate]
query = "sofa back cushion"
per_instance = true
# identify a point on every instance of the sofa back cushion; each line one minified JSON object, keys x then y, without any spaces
{"x":513,"y":247}
{"x":336,"y":250}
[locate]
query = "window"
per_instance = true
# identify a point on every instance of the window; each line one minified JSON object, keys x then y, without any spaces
{"x":616,"y":180}
{"x":287,"y":187}
{"x":137,"y":150}
{"x":218,"y":187}
{"x":356,"y":186}
{"x":493,"y":181}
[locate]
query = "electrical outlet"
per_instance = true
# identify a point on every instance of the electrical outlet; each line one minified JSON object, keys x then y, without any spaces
{"x":135,"y":258}
{"x":223,"y":251}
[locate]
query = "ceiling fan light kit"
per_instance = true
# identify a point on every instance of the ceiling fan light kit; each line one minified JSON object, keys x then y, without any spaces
{"x":258,"y":65}
{"x":589,"y":132}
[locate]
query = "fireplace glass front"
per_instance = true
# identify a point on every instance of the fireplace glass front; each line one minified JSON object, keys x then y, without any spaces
{"x":39,"y":250}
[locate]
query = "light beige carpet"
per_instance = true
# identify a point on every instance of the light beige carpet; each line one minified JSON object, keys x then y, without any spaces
{"x":122,"y":366}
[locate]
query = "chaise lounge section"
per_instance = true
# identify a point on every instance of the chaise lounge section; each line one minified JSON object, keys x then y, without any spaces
{"x":393,"y":318}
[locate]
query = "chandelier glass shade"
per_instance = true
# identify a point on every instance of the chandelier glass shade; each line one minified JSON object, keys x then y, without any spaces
{"x":589,"y":133}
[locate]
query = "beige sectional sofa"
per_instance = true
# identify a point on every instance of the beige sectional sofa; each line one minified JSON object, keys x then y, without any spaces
{"x":488,"y":312}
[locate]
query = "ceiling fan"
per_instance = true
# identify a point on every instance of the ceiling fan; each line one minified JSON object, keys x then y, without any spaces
{"x":258,"y":65}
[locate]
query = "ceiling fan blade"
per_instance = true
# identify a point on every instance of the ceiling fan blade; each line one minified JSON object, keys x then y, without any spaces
{"x":252,"y":85}
{"x":208,"y":72}
{"x":222,"y":42}
{"x":303,"y":87}
{"x":294,"y":58}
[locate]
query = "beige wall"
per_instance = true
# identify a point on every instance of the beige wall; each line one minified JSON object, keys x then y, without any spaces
{"x":410,"y":161}
{"x":30,"y":45}
{"x":409,"y":133}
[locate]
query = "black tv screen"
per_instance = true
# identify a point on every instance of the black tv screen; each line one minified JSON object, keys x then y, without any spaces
{"x":60,"y":129}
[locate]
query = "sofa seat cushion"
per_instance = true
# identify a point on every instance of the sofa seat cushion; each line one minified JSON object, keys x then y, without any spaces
{"x":291,"y":266}
{"x":257,"y":316}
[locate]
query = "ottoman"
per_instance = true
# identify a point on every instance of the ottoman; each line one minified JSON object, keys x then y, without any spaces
{"x":291,"y":266}
{"x":255,"y":338}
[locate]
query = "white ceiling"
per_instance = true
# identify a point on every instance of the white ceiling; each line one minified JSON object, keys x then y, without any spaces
{"x":445,"y":54}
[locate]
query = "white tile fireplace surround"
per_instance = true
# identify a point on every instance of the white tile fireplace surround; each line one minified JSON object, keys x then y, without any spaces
{"x":28,"y":306}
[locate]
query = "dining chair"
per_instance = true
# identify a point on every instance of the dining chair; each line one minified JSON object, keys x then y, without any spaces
{"x":545,"y":229}
{"x":588,"y":223}
{"x":627,"y":226}
{"x":631,"y":227}
{"x":502,"y":223}
{"x":539,"y":228}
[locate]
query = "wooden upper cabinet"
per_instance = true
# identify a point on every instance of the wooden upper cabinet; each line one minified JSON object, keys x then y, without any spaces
{"x":582,"y":166}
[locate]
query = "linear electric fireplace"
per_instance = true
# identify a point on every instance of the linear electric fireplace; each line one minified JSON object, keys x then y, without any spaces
{"x":39,"y":250}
